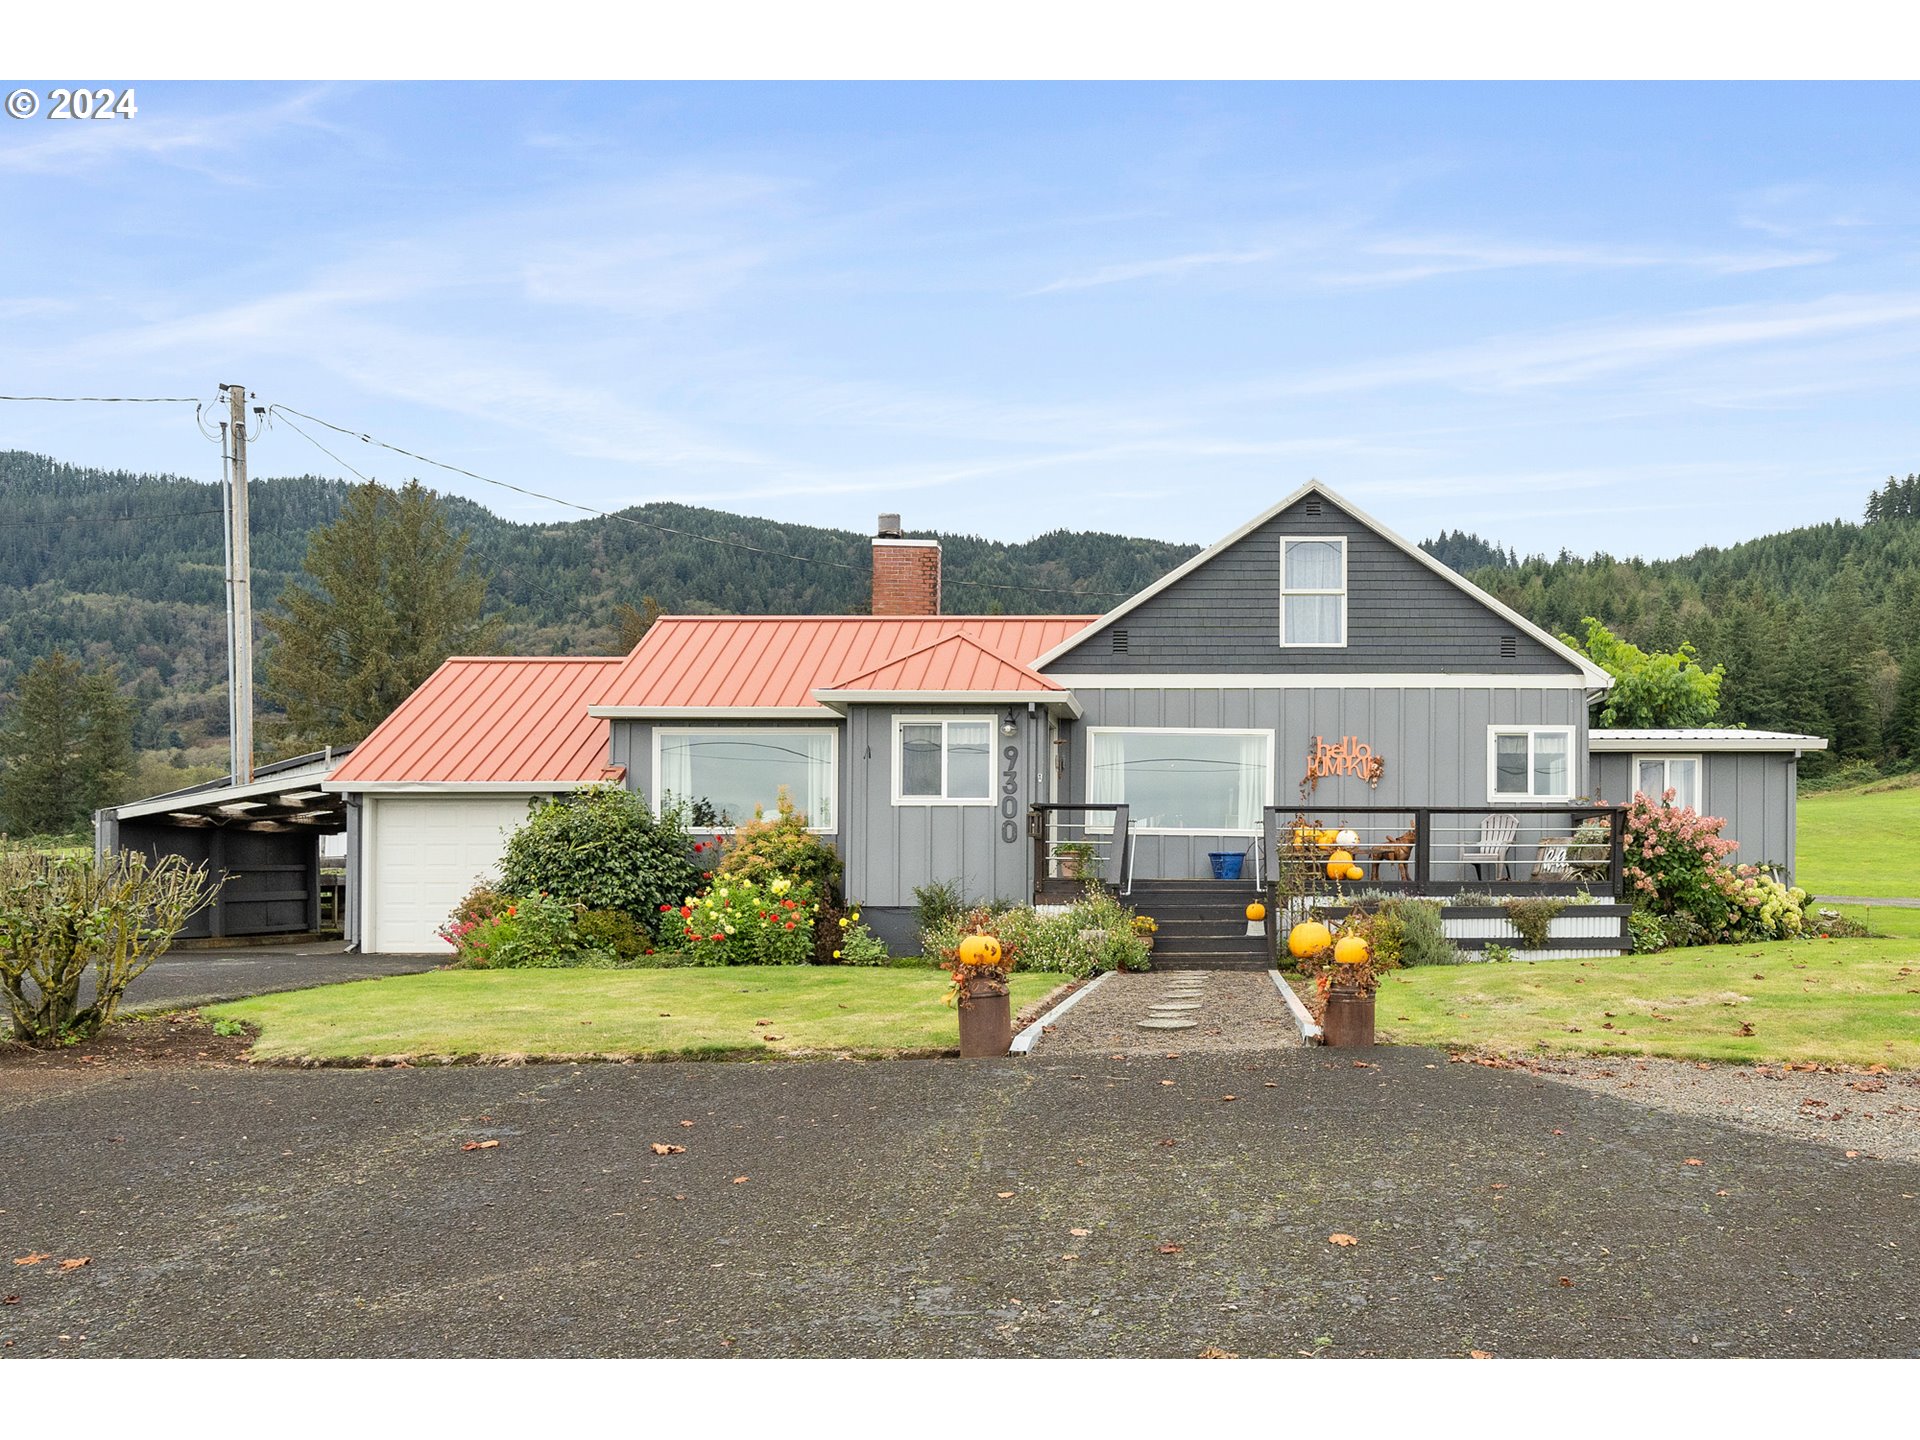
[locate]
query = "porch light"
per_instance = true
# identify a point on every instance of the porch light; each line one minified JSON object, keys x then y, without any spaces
{"x":1009,"y":726}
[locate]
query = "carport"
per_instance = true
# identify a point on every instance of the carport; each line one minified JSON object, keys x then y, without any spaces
{"x":261,"y":839}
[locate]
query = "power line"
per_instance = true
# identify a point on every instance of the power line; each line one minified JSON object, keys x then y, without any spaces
{"x":668,"y":529}
{"x":317,"y":445}
{"x":109,"y":399}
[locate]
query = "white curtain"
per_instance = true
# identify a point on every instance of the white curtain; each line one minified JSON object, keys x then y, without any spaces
{"x":1207,"y":781}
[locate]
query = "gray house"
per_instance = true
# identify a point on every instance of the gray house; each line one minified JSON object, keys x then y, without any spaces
{"x":1312,"y":679}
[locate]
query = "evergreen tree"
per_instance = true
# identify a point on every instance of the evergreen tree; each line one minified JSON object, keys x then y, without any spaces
{"x":388,"y":594}
{"x":632,"y":625}
{"x":67,"y":748}
{"x":1845,"y":674}
{"x":1903,"y":729}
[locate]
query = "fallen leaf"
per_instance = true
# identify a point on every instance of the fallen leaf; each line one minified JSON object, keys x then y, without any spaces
{"x":1166,"y":1082}
{"x":1003,"y":1194}
{"x":481,"y":1145}
{"x":33,"y":1259}
{"x":1215,"y":1353}
{"x":9,"y":1299}
{"x":1565,"y":1283}
{"x":1691,"y":1161}
{"x":1723,"y":1192}
{"x":1170,"y":1249}
{"x":1559,"y":1132}
{"x":1169,"y":1142}
{"x":771,"y":1036}
{"x":1498,"y":1185}
{"x":739,"y":1179}
{"x":1342,"y":1240}
{"x":660,"y":1149}
{"x":686,"y":1124}
{"x":1229,"y":1097}
{"x":1746,"y":1027}
{"x":1080,"y":1230}
{"x":76,"y":1262}
{"x":1479,"y":1354}
{"x":1853,"y":1154}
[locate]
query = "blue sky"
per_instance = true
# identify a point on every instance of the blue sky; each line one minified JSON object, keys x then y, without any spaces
{"x":1639,"y":318}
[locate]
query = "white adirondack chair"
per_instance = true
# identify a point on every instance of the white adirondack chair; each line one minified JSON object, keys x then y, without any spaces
{"x":1496,"y":839}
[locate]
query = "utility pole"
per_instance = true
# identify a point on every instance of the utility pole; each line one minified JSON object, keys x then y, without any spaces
{"x":239,"y":587}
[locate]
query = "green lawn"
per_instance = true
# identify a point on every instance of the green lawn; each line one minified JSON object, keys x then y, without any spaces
{"x":1860,"y":842}
{"x":642,"y":1013}
{"x":1843,"y":1001}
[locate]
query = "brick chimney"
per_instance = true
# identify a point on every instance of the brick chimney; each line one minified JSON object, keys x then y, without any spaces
{"x":906,"y":573}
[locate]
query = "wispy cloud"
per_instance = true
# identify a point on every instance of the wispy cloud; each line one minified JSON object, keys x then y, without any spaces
{"x":1171,"y":265}
{"x":1567,"y":356}
{"x":210,"y":144}
{"x":1435,"y":258}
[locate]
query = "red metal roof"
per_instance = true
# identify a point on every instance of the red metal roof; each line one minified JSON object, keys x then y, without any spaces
{"x":492,"y":721}
{"x":761,"y":661}
{"x":958,"y":662}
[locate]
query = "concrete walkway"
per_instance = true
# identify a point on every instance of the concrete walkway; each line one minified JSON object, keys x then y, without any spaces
{"x":1174,"y":1010}
{"x":1080,"y":1206}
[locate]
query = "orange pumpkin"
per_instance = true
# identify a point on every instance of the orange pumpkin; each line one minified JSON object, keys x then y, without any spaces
{"x":1337,"y":864}
{"x":1256,"y":912}
{"x":979,"y":950}
{"x":1309,"y":937}
{"x":1351,"y":950}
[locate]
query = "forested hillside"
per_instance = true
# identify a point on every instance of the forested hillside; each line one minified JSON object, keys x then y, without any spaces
{"x":114,"y":566}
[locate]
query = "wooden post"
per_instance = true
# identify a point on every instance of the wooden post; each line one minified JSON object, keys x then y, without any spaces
{"x":239,"y":592}
{"x":1422,"y":850}
{"x":1617,"y":856}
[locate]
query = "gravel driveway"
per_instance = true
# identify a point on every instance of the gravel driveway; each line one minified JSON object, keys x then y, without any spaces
{"x":1075,"y":1206}
{"x":1216,"y":1010}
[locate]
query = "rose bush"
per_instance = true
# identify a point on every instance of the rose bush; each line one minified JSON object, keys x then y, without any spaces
{"x":745,"y":922}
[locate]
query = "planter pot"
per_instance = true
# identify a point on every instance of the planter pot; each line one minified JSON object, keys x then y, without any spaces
{"x":1226,"y":864}
{"x":986,"y":1018}
{"x":1349,"y":1020}
{"x":1071,"y":867}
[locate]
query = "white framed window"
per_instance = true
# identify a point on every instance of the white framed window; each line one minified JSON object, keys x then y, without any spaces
{"x":1201,"y":782}
{"x":943,"y":760}
{"x":1313,"y":590}
{"x":724,"y":773}
{"x":1530,"y":762}
{"x":1654,"y":775}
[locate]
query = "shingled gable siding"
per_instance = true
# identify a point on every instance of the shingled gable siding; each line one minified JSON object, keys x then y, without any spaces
{"x":1225,"y":616}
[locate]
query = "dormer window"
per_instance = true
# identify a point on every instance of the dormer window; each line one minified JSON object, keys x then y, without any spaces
{"x":1313,"y":590}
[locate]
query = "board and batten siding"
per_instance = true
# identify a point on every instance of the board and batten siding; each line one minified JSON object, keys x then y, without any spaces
{"x":1433,"y":741}
{"x":1754,"y":793}
{"x":1224,"y":616}
{"x":893,"y":848}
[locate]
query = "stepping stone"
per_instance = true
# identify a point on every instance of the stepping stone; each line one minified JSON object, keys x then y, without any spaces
{"x":1166,"y":1022}
{"x":1175,"y":1005}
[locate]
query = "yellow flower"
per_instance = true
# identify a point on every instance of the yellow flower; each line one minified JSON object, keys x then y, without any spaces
{"x":856,"y":915}
{"x":836,"y":954}
{"x":843,"y":922}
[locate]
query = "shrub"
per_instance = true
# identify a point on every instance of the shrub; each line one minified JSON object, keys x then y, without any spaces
{"x":1647,"y":933}
{"x":937,"y":904}
{"x":1830,"y":924}
{"x":60,"y":915}
{"x":538,"y":932}
{"x":481,"y":904}
{"x":601,"y":847}
{"x":1094,"y":933}
{"x":1760,"y":907}
{"x":742,"y":922}
{"x":1496,"y":954}
{"x":1531,"y":917}
{"x":1478,"y":899}
{"x":615,"y":932}
{"x":1675,"y":863}
{"x":859,"y":945}
{"x":763,"y":850}
{"x":1417,"y":935}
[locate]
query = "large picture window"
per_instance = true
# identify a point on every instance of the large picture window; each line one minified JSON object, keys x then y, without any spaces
{"x":1313,"y":591}
{"x":1209,"y":781}
{"x":1530,"y":762}
{"x":942,"y":760}
{"x":723,"y":774}
{"x":1654,"y":775}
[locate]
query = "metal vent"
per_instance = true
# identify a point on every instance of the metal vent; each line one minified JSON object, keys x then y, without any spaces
{"x":1311,"y":505}
{"x":1509,"y":647}
{"x":1119,"y":642}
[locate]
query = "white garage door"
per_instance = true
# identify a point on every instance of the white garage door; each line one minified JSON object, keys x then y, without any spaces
{"x":427,"y":853}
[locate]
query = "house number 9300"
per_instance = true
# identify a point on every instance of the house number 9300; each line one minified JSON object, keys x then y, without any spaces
{"x":1010,"y":795}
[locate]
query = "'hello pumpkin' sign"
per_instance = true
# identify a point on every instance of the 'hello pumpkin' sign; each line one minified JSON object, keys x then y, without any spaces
{"x":1348,"y":756}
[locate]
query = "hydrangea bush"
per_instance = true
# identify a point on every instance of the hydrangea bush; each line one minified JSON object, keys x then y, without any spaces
{"x":1676,"y":867}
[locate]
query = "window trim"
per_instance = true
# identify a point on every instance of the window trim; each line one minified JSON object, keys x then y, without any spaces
{"x":1259,"y":821}
{"x":1666,"y":757}
{"x":1494,"y":732}
{"x":833,"y":764}
{"x":898,"y":766}
{"x":1287,"y":591}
